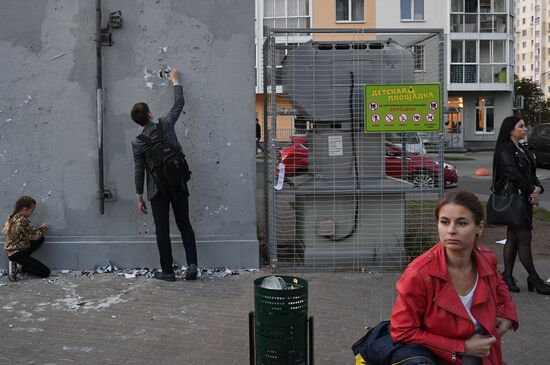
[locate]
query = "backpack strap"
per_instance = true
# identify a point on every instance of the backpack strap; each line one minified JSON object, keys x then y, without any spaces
{"x":160,"y":132}
{"x":160,"y":135}
{"x":144,"y":138}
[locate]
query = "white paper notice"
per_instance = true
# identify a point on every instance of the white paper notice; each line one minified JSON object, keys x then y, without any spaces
{"x":335,"y":146}
{"x":501,"y":242}
{"x":281,"y":178}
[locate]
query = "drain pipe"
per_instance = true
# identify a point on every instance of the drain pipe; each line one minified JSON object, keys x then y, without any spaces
{"x":99,"y":106}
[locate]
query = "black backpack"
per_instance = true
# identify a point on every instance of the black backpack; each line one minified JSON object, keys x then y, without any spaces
{"x":170,"y":169}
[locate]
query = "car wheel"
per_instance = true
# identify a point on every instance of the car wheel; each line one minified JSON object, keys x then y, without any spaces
{"x":423,"y":180}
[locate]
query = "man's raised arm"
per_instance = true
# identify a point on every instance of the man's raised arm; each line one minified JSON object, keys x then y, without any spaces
{"x":179,"y":101}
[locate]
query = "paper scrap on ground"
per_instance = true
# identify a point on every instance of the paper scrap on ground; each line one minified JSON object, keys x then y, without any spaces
{"x":501,"y":242}
{"x":281,"y":178}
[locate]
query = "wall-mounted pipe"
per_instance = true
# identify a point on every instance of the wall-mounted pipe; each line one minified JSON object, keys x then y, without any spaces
{"x":99,"y":106}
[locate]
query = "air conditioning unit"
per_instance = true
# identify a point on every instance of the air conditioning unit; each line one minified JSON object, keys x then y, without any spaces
{"x":519,"y":101}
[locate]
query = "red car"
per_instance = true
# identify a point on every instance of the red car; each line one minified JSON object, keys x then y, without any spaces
{"x":422,"y":171}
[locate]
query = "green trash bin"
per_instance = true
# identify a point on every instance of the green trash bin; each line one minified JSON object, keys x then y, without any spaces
{"x":281,"y":323}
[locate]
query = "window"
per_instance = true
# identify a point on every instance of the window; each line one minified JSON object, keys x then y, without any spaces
{"x":524,"y":45}
{"x":523,"y":21}
{"x":485,"y":16}
{"x":524,"y":33}
{"x":470,"y":6}
{"x":350,"y":10}
{"x":418,"y":56}
{"x":492,"y":59}
{"x":485,"y":115}
{"x":523,"y":57}
{"x":464,"y":62}
{"x":412,"y":9}
{"x":286,"y":13}
{"x":523,"y":68}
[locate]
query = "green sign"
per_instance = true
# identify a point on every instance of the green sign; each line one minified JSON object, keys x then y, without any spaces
{"x":402,"y":108}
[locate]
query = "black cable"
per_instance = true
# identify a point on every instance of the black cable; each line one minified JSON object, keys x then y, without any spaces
{"x":356,"y":169}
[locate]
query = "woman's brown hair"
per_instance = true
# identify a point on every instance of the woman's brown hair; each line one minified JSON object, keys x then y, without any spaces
{"x":464,"y":198}
{"x":20,"y":204}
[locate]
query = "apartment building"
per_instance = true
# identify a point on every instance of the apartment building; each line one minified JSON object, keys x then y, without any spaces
{"x":479,"y":49}
{"x":304,"y":14}
{"x":532,"y":29}
{"x":479,"y":60}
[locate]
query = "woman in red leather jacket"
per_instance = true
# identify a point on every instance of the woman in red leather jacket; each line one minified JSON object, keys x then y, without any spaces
{"x":452,"y":299}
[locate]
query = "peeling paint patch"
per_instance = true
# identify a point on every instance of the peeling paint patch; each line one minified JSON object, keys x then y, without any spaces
{"x":78,"y":349}
{"x":25,"y":316}
{"x":105,"y":303}
{"x":30,"y":329}
{"x":10,"y":306}
{"x":57,"y":56}
{"x":220,"y":209}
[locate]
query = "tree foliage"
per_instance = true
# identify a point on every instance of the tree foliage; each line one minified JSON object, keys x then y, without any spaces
{"x":536,"y":107}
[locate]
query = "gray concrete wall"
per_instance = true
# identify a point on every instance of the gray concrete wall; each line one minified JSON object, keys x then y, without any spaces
{"x":48,"y":134}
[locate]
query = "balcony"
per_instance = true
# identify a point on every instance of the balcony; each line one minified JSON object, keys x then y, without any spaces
{"x":479,"y":23}
{"x":479,"y":77}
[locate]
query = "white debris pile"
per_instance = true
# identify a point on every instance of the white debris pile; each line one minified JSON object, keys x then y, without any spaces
{"x":217,"y":272}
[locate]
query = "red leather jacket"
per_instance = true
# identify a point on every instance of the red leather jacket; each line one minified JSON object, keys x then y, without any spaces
{"x":428,"y":310}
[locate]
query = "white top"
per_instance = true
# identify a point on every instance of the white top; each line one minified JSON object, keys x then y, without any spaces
{"x":467,"y":302}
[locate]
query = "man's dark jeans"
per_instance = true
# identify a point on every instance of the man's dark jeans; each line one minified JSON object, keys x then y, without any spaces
{"x":160,"y":205}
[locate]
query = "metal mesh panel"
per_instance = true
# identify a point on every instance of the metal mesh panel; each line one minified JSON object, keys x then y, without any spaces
{"x":339,"y":198}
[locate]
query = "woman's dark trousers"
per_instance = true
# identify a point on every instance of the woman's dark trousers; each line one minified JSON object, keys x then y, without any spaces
{"x":30,"y":264}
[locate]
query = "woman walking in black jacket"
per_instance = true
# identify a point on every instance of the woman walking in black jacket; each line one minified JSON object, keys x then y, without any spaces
{"x":515,"y":165}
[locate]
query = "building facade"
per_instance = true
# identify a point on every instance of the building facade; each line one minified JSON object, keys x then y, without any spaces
{"x":481,"y":64}
{"x":532,"y":29}
{"x":479,"y":60}
{"x":334,"y":14}
{"x":49,"y":138}
{"x":479,"y":52}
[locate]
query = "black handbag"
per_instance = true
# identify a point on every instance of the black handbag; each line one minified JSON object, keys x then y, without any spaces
{"x":506,"y":207}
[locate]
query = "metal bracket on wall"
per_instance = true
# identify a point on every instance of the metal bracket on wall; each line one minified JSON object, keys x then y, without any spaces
{"x":115,"y":22}
{"x":109,"y":194}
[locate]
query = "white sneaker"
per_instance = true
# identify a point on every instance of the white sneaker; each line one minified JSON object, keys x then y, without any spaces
{"x":12,"y":270}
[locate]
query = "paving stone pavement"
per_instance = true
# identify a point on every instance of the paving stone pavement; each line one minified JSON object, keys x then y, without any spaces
{"x":107,"y":319}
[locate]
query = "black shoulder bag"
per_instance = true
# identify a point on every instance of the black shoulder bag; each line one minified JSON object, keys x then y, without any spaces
{"x":506,"y":206}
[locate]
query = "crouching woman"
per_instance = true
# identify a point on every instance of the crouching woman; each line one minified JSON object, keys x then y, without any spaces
{"x":22,"y":239}
{"x":452,"y":299}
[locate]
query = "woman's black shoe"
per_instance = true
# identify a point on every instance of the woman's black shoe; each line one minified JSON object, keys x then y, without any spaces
{"x":512,"y":283}
{"x":539,"y":285}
